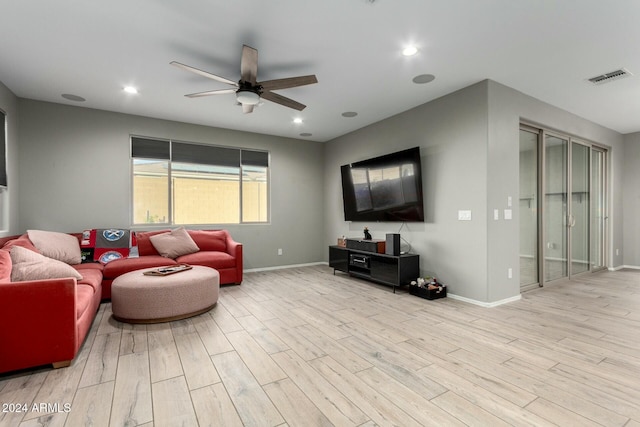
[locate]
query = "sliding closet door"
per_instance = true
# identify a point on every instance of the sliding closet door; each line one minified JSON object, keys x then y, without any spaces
{"x":555,"y":207}
{"x":599,"y":208}
{"x":529,"y":177}
{"x":563,"y":207}
{"x":579,"y":208}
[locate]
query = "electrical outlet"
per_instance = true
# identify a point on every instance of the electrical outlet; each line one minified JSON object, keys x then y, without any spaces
{"x":496,"y":214}
{"x":279,"y":251}
{"x":510,"y":273}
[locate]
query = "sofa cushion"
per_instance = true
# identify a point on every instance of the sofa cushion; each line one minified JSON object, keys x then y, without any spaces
{"x":91,"y":277}
{"x":89,"y":266}
{"x":21,"y":241}
{"x":174,"y":243}
{"x":145,"y":247}
{"x":210,"y":240}
{"x":121,"y":266}
{"x":60,"y":246}
{"x":5,"y":265}
{"x":213,"y":259}
{"x":84,"y":296}
{"x":29,"y":265}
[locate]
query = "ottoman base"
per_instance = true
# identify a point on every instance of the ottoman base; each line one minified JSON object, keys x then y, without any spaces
{"x":163,"y":319}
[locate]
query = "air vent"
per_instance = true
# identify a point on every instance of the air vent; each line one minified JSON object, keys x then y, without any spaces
{"x":609,"y":77}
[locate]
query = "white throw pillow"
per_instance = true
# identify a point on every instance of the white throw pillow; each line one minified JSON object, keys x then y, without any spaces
{"x":29,"y":265}
{"x":61,"y":246}
{"x":174,"y":243}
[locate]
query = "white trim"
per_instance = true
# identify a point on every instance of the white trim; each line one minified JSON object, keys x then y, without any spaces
{"x":282,"y":267}
{"x":620,"y":267}
{"x":485,"y":304}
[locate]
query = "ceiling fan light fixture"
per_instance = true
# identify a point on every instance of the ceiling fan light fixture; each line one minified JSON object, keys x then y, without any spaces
{"x":247,"y":97}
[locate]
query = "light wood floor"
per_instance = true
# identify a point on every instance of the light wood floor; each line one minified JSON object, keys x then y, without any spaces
{"x":302,"y":347}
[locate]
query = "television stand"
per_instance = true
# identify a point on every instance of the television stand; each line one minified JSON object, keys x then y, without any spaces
{"x":386,"y":269}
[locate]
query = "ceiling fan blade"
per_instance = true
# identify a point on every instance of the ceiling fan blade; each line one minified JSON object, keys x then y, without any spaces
{"x":283,"y":100}
{"x":288,"y":82}
{"x":203,"y":73}
{"x":247,"y":108}
{"x":249,"y":65}
{"x":211,"y":92}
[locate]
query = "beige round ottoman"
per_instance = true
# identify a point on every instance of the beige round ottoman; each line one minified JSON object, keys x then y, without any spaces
{"x":137,"y":298}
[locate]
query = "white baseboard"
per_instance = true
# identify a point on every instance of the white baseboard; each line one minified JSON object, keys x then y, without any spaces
{"x":282,"y":267}
{"x":482,"y":303}
{"x":620,"y":267}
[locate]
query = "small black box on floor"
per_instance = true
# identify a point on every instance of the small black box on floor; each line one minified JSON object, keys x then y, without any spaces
{"x":428,"y":293}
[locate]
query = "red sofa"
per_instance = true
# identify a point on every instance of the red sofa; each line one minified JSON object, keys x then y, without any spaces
{"x":45,"y":321}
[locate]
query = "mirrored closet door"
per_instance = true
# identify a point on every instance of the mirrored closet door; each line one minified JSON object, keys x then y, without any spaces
{"x":563,"y":209}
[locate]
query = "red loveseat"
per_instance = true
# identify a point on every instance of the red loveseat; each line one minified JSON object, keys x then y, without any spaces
{"x":45,"y":321}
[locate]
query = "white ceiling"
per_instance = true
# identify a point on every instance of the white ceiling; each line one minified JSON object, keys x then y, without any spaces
{"x":544,"y":48}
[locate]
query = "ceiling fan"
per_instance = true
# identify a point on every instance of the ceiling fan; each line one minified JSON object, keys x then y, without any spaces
{"x":248,"y":90}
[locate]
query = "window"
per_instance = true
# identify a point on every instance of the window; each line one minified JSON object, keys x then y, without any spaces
{"x":3,"y":150}
{"x":178,"y":182}
{"x":4,"y":197}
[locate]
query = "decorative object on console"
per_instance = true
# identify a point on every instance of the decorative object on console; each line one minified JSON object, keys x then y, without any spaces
{"x":367,"y":235}
{"x":392,"y":246}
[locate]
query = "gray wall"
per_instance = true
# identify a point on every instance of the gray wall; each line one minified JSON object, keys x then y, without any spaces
{"x":9,"y":197}
{"x":631,"y":192}
{"x":75,"y":173}
{"x":452,"y":135}
{"x":470,"y":149}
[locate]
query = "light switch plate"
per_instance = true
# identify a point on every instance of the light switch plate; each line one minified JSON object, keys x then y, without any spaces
{"x":464,"y":215}
{"x":508,"y":214}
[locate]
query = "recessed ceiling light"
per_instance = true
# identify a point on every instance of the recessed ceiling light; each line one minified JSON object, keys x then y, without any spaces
{"x":349,"y":114}
{"x":71,"y":97}
{"x":306,"y":134}
{"x":409,"y":51}
{"x":297,"y":120}
{"x":130,"y":89}
{"x":424,"y":78}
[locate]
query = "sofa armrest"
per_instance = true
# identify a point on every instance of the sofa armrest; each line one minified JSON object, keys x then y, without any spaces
{"x":37,"y":322}
{"x":235,"y":250}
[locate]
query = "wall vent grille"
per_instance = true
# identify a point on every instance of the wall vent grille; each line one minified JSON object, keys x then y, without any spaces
{"x":609,"y":77}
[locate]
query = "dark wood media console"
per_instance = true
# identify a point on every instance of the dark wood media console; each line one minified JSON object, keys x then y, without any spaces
{"x":381,"y":268}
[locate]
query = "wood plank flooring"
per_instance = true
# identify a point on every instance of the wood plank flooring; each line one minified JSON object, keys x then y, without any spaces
{"x":304,"y":347}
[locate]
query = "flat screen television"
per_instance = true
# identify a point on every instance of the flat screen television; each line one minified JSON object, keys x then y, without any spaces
{"x":384,"y":188}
